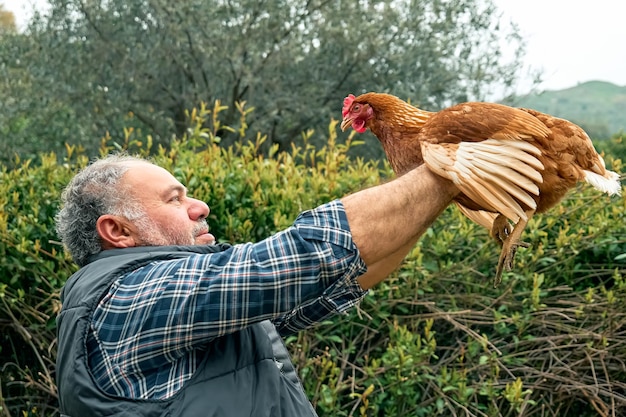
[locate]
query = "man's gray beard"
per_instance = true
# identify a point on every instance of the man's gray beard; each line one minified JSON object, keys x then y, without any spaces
{"x":149,"y":234}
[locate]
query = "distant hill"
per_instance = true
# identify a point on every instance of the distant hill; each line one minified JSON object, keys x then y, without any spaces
{"x":598,"y":107}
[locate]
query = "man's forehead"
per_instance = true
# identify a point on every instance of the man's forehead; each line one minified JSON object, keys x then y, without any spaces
{"x":146,"y":174}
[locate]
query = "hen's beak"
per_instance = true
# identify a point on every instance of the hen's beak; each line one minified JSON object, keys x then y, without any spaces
{"x":346,"y":123}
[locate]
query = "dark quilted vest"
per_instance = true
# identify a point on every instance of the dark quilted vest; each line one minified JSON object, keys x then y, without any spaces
{"x":247,"y":373}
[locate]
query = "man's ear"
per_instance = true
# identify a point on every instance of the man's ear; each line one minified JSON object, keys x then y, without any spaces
{"x":115,"y":232}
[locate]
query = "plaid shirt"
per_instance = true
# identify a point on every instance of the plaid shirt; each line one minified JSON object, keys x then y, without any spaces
{"x":149,"y":330}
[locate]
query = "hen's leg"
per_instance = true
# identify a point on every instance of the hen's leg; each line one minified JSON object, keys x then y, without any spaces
{"x":509,"y":247}
{"x":501,"y":229}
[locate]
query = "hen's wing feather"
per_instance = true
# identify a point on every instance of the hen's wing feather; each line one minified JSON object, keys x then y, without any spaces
{"x":483,"y":181}
{"x":481,"y":217}
{"x":487,"y":150}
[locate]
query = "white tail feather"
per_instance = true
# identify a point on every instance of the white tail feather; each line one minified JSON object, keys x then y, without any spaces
{"x":607,"y":184}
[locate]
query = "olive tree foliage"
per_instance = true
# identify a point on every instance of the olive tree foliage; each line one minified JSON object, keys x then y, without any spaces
{"x":87,"y":68}
{"x":7,"y":20}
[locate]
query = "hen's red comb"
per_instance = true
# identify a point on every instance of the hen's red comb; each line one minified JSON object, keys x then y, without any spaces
{"x":347,"y":102}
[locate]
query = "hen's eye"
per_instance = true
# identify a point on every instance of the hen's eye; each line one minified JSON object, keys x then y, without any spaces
{"x":356,"y":107}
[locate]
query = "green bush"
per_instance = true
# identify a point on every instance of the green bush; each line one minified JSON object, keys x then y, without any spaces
{"x":615,"y":147}
{"x":434,"y":339}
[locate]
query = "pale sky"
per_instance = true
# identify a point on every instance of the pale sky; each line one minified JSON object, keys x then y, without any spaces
{"x":572,"y":41}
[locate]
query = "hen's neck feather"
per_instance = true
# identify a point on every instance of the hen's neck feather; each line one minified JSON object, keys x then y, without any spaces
{"x":408,"y":117}
{"x":397,"y":125}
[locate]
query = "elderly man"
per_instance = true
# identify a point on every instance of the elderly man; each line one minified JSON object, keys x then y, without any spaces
{"x":162,"y":321}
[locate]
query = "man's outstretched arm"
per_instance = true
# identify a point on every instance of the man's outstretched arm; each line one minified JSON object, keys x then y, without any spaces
{"x":387,"y":220}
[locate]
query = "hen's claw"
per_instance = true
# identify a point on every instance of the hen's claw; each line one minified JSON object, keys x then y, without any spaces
{"x":506,"y":259}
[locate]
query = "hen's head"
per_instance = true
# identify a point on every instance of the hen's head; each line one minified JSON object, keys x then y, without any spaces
{"x":355,"y":113}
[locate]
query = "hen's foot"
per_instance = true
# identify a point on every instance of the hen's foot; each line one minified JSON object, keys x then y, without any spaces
{"x":509,"y":244}
{"x":505,"y":262}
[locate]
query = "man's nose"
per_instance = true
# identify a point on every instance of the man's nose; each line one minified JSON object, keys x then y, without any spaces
{"x":198,"y":210}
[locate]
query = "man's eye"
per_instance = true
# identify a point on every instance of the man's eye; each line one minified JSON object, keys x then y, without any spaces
{"x":175,"y":198}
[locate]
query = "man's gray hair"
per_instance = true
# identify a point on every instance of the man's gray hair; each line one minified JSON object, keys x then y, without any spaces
{"x":93,"y":192}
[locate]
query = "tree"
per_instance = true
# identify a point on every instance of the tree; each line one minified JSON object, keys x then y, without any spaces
{"x":7,"y":20}
{"x":14,"y":84}
{"x":99,"y":65}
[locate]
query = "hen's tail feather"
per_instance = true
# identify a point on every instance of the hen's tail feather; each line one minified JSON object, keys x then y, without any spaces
{"x":608,"y":183}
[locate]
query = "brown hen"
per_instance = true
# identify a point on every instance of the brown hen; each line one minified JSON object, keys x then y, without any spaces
{"x":508,"y":163}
